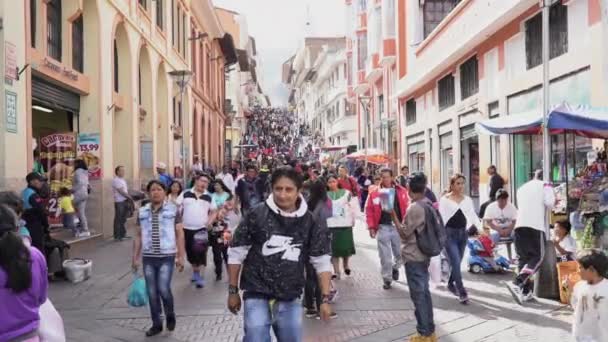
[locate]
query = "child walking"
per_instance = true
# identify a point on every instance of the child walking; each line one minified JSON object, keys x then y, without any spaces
{"x":68,"y":213}
{"x":590,"y":299}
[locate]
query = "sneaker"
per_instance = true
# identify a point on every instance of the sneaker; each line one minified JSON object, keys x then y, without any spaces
{"x":311,"y":313}
{"x":527,"y":297}
{"x":154,"y":331}
{"x":218,"y":277}
{"x":171,"y":322}
{"x":387,"y":285}
{"x":420,"y":338}
{"x":347,"y":271}
{"x":333,"y":296}
{"x":464,"y":299}
{"x":198,"y":280}
{"x":395,"y":274}
{"x":332,"y":315}
{"x":83,"y":234}
{"x":516,"y":292}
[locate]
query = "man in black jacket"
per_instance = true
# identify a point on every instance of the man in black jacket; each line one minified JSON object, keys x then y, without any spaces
{"x":34,"y":214}
{"x":269,"y":252}
{"x":496,"y":183}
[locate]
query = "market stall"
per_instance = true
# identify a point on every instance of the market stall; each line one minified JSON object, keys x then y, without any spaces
{"x":580,"y":175}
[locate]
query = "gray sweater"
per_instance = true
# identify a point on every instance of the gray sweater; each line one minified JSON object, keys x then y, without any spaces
{"x":414,"y":221}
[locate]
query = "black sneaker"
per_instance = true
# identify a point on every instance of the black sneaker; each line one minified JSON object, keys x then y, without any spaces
{"x":395,"y":274}
{"x":387,"y":285}
{"x":453,"y":290}
{"x":347,"y":271}
{"x":171,"y":322}
{"x":218,"y":277}
{"x":154,"y":331}
{"x":311,"y":313}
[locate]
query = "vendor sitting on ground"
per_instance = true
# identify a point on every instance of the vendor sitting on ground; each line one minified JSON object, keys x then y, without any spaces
{"x":565,"y":245}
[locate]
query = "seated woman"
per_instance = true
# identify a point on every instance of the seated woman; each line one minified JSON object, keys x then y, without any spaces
{"x":565,"y":245}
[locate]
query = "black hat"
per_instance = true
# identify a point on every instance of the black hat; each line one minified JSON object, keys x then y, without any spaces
{"x":34,"y":175}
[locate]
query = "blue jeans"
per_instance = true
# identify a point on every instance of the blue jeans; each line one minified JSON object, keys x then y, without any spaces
{"x":158,"y":273}
{"x":417,"y":274}
{"x":285,"y":320}
{"x":455,"y":246}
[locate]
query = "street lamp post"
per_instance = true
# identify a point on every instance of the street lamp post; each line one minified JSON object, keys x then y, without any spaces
{"x":365,"y":101}
{"x":182,"y":78}
{"x":546,"y":283}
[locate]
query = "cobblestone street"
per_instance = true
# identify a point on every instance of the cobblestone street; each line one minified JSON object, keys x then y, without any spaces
{"x":96,"y":310}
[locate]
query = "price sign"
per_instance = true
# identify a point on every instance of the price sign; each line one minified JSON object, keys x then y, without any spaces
{"x":89,"y":150}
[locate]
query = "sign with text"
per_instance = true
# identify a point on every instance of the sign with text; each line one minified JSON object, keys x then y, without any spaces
{"x":10,"y":100}
{"x":10,"y":62}
{"x":89,"y":150}
{"x":57,"y":155}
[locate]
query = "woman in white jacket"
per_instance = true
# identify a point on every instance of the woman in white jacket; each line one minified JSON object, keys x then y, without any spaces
{"x":345,"y":209}
{"x":458,"y":215}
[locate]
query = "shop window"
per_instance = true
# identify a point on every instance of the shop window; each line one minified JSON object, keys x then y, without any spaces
{"x":410,"y":112}
{"x":160,"y":14}
{"x":115,"y":67}
{"x":361,"y":50}
{"x":53,"y":29}
{"x":558,"y":35}
{"x":183,"y":50}
{"x":78,"y":45}
{"x":173,"y":22}
{"x":446,"y":92}
{"x":469,"y":78}
{"x":434,"y":11}
{"x":33,"y":4}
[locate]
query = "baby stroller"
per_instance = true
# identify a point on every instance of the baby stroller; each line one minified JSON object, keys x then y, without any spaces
{"x":479,"y":264}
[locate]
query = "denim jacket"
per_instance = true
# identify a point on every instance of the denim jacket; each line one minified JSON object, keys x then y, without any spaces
{"x":166,"y":217}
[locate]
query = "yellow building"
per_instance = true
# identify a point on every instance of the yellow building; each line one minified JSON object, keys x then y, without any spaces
{"x":97,"y":70}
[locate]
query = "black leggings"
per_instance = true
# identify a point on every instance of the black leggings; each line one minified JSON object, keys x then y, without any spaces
{"x":530,"y":247}
{"x":312,"y":290}
{"x":220,"y":252}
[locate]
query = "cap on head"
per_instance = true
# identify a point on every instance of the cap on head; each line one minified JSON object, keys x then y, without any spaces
{"x":34,"y":176}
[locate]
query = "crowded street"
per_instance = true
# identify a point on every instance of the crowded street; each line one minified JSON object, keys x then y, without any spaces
{"x":304,"y":170}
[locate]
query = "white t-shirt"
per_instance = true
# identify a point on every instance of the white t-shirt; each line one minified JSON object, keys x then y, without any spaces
{"x":590,"y":303}
{"x":533,"y":199}
{"x":569,"y":244}
{"x":119,"y":184}
{"x":501,"y":217}
{"x":196,"y":209}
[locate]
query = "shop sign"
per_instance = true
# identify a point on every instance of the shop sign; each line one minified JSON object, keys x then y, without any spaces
{"x":51,"y":65}
{"x":10,"y":62}
{"x":57,"y":155}
{"x":10,"y":100}
{"x":89,"y":150}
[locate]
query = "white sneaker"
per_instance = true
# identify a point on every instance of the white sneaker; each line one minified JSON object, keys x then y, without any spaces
{"x":84,"y":234}
{"x":527,"y":297}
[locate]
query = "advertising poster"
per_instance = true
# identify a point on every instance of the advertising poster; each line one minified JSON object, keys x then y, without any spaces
{"x":57,"y":154}
{"x":89,"y":150}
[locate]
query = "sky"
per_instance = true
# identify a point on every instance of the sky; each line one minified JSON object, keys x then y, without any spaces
{"x":279,"y":27}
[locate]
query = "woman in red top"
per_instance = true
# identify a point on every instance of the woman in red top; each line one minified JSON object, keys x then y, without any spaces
{"x":346,"y":182}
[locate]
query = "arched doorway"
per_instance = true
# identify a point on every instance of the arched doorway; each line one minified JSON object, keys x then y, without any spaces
{"x":144,"y":115}
{"x":124,"y":118}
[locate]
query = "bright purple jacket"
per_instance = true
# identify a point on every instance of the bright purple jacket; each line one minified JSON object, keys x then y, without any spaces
{"x":19,"y":311}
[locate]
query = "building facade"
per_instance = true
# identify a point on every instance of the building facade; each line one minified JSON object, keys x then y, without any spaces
{"x":93,"y":83}
{"x":461,"y":61}
{"x":317,"y":80}
{"x":243,"y":82}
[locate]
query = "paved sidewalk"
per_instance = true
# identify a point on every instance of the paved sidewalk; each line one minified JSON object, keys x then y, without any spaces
{"x":96,"y":309}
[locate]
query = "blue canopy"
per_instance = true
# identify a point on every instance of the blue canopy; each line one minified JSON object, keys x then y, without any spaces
{"x":564,"y":118}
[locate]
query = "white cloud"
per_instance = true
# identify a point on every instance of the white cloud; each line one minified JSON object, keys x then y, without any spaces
{"x":279,"y":27}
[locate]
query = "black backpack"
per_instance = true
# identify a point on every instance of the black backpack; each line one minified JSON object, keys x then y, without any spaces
{"x":432,"y":239}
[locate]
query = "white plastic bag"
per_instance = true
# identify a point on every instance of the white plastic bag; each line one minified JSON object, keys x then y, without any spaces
{"x":51,"y":324}
{"x":435,"y":270}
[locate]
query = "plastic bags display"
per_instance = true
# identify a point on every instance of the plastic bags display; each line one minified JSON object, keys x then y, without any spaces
{"x":138,"y":293}
{"x":51,"y":324}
